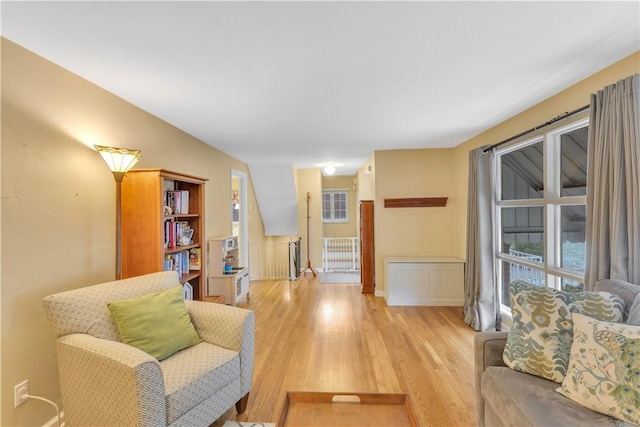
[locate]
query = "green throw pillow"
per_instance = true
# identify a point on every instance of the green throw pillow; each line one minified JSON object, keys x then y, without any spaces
{"x":540,"y":337}
{"x":157,"y":324}
{"x":604,"y":368}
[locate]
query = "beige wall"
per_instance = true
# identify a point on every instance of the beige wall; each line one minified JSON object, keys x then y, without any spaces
{"x":58,"y":204}
{"x":256,"y":236}
{"x":310,"y":181}
{"x":568,"y":100}
{"x":366,"y":180}
{"x":412,"y":231}
{"x":347,"y":229}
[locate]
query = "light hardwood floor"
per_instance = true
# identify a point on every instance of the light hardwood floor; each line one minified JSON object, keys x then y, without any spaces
{"x":330,"y":337}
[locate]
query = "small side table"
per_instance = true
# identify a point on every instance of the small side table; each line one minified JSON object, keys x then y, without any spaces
{"x":219,"y":299}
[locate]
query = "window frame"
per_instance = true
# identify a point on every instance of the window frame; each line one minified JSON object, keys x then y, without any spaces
{"x":332,"y":192}
{"x":552,"y":202}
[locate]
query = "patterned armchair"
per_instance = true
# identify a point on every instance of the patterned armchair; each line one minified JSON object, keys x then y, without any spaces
{"x":105,"y":382}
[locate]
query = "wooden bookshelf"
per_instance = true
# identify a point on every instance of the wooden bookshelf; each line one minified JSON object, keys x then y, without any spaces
{"x":143,"y":223}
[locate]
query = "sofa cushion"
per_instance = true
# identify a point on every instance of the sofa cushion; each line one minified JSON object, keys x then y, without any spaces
{"x":604,"y":368}
{"x":634,"y":313}
{"x":197,"y":373}
{"x":542,"y":331}
{"x":156,"y":323}
{"x":627,"y":291}
{"x":526,"y":400}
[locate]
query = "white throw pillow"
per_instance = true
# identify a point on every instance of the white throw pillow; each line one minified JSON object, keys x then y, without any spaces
{"x":604,"y":368}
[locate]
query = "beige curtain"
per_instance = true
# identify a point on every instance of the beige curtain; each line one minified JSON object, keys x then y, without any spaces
{"x":613,"y":184}
{"x":482,"y":304}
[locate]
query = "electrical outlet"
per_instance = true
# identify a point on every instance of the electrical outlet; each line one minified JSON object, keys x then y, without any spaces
{"x":18,"y":391}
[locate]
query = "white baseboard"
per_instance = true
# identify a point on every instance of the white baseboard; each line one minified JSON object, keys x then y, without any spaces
{"x":424,"y":302}
{"x":53,"y":422}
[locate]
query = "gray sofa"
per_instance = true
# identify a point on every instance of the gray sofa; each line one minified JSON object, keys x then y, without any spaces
{"x":505,"y":397}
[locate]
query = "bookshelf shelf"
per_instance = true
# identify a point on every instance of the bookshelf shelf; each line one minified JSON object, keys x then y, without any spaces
{"x":176,"y":249}
{"x":145,"y":227}
{"x":169,"y":217}
{"x":194,"y":274}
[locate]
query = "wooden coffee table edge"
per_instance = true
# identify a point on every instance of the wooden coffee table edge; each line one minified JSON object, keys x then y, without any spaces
{"x":328,"y":398}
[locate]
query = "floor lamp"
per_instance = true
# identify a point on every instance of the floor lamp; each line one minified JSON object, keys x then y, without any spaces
{"x":308,"y":267}
{"x":119,"y":160}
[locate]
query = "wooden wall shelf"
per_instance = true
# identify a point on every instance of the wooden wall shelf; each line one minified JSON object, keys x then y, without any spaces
{"x":416,"y":202}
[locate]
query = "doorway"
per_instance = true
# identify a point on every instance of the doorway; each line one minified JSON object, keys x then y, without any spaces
{"x":239,"y":221}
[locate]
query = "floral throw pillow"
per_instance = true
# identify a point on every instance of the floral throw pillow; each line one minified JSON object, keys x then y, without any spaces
{"x":604,"y":368}
{"x":542,"y":331}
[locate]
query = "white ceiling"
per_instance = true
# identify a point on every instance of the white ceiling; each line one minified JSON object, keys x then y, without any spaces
{"x":311,"y":83}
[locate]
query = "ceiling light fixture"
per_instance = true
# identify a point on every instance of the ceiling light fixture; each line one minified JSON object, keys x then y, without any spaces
{"x":329,"y":170}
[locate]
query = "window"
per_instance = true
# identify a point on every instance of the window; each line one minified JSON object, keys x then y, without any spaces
{"x":541,"y":210}
{"x":334,"y":206}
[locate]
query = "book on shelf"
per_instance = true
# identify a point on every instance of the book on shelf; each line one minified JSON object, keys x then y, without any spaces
{"x":195,"y":259}
{"x":169,"y":234}
{"x":178,"y":262}
{"x":184,"y":202}
{"x":177,"y":233}
{"x":178,"y":201}
{"x":181,"y":226}
{"x":184,"y":259}
{"x":171,"y":201}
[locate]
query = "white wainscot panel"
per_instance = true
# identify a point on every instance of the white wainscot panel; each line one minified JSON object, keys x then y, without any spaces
{"x":424,"y":281}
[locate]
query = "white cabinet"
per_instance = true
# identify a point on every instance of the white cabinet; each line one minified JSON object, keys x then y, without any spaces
{"x":242,"y":284}
{"x":233,"y":284}
{"x":219,"y":251}
{"x":234,"y":287}
{"x":424,"y":281}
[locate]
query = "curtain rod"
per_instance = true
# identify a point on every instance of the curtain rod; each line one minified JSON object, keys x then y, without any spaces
{"x":560,"y":117}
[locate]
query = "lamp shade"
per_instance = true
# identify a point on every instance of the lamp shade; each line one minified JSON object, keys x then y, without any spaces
{"x":119,"y":160}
